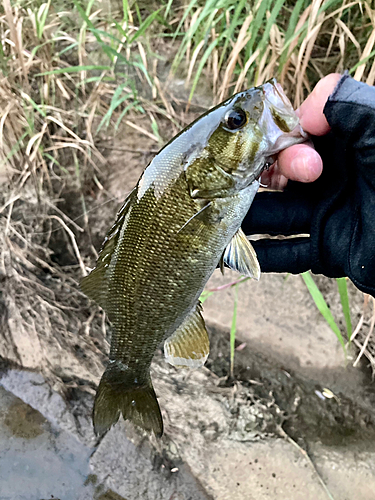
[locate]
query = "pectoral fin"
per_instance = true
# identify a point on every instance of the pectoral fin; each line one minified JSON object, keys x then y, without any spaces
{"x":221,"y":264}
{"x":189,"y":345}
{"x":240,"y":256}
{"x":201,"y":215}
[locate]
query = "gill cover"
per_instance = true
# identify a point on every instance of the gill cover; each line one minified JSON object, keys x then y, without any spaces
{"x":250,"y":128}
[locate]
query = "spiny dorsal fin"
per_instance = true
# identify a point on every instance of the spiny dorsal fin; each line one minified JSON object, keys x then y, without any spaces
{"x":94,"y":285}
{"x":189,"y":346}
{"x":240,"y":256}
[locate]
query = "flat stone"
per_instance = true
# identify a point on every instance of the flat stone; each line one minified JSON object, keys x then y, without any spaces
{"x":38,"y":461}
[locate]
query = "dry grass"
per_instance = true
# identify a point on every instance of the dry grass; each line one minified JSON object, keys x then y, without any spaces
{"x":45,"y":318}
{"x":363,"y":335}
{"x":73,"y":72}
{"x":39,"y":114}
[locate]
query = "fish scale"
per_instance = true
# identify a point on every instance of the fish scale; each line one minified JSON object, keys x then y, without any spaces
{"x":180,"y":221}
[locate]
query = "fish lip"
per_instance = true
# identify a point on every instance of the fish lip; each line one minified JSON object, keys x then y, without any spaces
{"x":279,"y":106}
{"x":279,"y":122}
{"x":296,"y":136}
{"x":278,"y":126}
{"x":272,"y":89}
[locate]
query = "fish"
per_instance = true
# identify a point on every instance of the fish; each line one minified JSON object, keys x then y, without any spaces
{"x":180,"y":222}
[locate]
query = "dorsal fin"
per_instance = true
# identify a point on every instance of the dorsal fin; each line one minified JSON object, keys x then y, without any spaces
{"x":95,"y":284}
{"x":189,"y":346}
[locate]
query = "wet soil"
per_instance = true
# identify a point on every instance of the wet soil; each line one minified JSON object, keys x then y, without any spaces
{"x":302,"y":408}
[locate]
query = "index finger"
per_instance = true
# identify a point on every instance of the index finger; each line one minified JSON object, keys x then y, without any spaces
{"x":310,"y":112}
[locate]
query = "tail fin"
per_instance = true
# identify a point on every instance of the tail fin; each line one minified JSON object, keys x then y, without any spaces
{"x":120,"y":393}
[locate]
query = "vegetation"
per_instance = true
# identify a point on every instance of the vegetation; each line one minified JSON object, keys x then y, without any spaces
{"x":75,"y":73}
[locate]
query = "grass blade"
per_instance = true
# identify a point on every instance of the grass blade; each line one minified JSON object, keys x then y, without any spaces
{"x":290,"y":31}
{"x":143,"y":27}
{"x":201,"y":65}
{"x":41,"y":18}
{"x":27,"y":98}
{"x":204,"y":296}
{"x":74,"y":69}
{"x":230,"y":31}
{"x":322,"y":305}
{"x":116,"y":101}
{"x":186,"y":13}
{"x":168,"y":8}
{"x":271,"y":20}
{"x":256,"y":26}
{"x":362,"y":61}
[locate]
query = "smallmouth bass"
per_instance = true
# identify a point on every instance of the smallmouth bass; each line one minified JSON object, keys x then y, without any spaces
{"x":181,"y":220}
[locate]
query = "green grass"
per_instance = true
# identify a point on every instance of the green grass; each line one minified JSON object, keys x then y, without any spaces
{"x":229,"y":45}
{"x":318,"y":298}
{"x":343,"y":291}
{"x":251,"y":42}
{"x":322,"y":305}
{"x":78,"y":55}
{"x":41,"y":18}
{"x":233,"y":329}
{"x":325,"y":311}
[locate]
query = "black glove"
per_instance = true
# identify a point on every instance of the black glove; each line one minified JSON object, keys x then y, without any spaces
{"x":337,"y":210}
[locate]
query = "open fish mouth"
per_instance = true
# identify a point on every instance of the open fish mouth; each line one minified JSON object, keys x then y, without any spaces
{"x":279,"y":121}
{"x":274,"y":126}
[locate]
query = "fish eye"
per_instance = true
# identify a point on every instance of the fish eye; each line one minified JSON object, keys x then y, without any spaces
{"x":235,"y":119}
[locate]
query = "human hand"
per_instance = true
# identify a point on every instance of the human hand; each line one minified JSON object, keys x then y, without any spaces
{"x":301,"y":162}
{"x":335,"y":214}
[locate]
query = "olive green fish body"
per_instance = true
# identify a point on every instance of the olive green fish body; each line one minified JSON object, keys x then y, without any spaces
{"x":167,"y":265}
{"x":181,"y":219}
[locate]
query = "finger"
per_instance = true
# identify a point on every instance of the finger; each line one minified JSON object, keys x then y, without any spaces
{"x":310,"y":112}
{"x":283,"y":256}
{"x":278,"y":213}
{"x":300,"y":163}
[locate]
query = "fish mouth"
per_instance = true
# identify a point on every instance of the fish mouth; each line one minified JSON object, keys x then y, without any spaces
{"x":279,"y":121}
{"x":277,"y":100}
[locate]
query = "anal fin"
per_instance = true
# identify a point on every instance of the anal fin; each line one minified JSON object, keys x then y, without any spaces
{"x":189,"y":346}
{"x":240,"y":256}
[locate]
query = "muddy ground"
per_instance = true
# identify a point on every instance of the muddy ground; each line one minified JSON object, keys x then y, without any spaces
{"x":272,"y":431}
